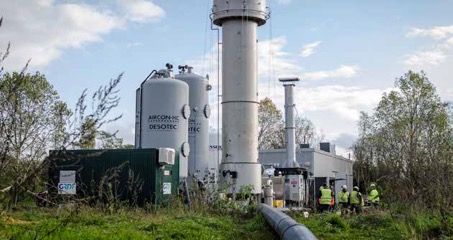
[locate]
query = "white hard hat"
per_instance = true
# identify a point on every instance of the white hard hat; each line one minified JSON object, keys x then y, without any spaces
{"x":356,"y":188}
{"x":344,"y":187}
{"x":373,"y":185}
{"x":269,"y":172}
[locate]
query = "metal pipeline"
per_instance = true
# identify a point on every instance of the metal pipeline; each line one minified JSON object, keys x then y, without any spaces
{"x":268,"y":193}
{"x":284,"y":225}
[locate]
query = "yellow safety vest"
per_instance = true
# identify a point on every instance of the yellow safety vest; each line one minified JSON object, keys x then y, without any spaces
{"x":326,"y":196}
{"x":374,"y":196}
{"x":343,"y":197}
{"x":354,"y":197}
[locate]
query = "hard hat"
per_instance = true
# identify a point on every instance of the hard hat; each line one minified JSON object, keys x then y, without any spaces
{"x":344,"y":187}
{"x":356,"y":188}
{"x":269,"y":172}
{"x":373,"y":185}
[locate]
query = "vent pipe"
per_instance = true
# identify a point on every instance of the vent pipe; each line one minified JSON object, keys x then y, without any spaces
{"x":290,"y":124}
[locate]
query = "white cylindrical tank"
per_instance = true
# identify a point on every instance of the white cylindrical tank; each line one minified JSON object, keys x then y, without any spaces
{"x":164,"y":116}
{"x":198,"y":123}
{"x":239,"y":20}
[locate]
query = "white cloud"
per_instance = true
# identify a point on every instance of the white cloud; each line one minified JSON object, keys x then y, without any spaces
{"x":133,"y":44}
{"x":346,"y":102}
{"x":141,"y":11}
{"x":309,"y":49}
{"x":126,"y":130}
{"x":437,"y":32}
{"x":333,"y":109}
{"x":437,"y":53}
{"x":344,"y":71}
{"x":332,"y":100}
{"x":41,"y":30}
{"x":344,"y":140}
{"x":274,"y":61}
{"x":284,"y":1}
{"x":421,"y":59}
{"x":447,"y":44}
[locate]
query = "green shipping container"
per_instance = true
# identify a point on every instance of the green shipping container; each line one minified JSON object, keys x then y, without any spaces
{"x":130,"y":175}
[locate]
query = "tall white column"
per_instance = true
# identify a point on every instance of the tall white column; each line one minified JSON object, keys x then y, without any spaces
{"x":239,"y":20}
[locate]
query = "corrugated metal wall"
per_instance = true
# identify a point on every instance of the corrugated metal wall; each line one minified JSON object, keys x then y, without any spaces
{"x":118,"y":168}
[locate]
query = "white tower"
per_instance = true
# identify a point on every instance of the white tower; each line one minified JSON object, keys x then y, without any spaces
{"x":239,"y":20}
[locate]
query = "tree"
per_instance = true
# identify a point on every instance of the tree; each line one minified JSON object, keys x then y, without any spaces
{"x":4,"y":55}
{"x":406,"y":144}
{"x":450,"y":112}
{"x":28,"y":123}
{"x":33,"y":119}
{"x":108,"y":140}
{"x":88,"y":135}
{"x":305,"y":131}
{"x":271,"y":133}
{"x":269,"y":120}
{"x":111,"y":141}
{"x":61,"y":115}
{"x":29,"y":114}
{"x":364,"y":168}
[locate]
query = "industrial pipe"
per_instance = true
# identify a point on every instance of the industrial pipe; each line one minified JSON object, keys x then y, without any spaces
{"x":284,"y":225}
{"x":269,"y":193}
{"x":290,"y":124}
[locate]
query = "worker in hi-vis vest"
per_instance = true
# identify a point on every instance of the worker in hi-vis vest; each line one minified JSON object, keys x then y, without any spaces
{"x":356,"y":200}
{"x":343,"y":199}
{"x":325,"y":198}
{"x":332,"y":200}
{"x":373,"y":197}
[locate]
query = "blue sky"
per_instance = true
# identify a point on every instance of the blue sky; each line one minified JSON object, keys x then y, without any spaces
{"x":347,"y":53}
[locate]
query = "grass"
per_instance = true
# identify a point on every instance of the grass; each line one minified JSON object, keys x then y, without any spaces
{"x":89,"y":223}
{"x":377,"y":225}
{"x":178,"y":222}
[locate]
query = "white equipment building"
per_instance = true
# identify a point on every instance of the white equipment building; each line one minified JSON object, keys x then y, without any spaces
{"x":322,"y":165}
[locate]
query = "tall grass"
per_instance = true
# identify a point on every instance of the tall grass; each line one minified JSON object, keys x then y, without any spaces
{"x":380,"y":224}
{"x":130,"y":223}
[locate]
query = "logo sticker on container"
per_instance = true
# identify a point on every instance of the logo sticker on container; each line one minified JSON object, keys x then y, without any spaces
{"x":166,"y":188}
{"x":67,"y":176}
{"x":67,"y":188}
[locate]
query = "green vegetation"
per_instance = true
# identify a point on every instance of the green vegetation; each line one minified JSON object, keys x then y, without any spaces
{"x":165,"y":223}
{"x":378,"y":225}
{"x":271,"y":133}
{"x":405,"y":147}
{"x":178,"y":222}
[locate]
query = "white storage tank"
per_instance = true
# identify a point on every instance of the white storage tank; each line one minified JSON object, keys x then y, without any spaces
{"x":163,"y":115}
{"x":198,"y":122}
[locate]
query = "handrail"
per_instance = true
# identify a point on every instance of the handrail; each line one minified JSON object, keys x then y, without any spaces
{"x":284,"y":225}
{"x":267,"y":15}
